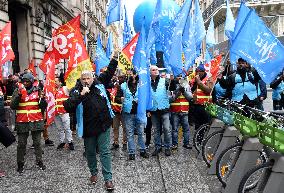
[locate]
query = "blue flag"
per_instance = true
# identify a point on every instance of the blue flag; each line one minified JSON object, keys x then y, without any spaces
{"x":243,"y":12}
{"x":210,"y":36}
{"x":188,"y":42}
{"x":109,"y":49}
{"x":229,"y":23}
{"x":208,"y":56}
{"x":153,"y":58}
{"x":144,"y":86}
{"x":79,"y":118}
{"x":154,"y":31}
{"x":101,"y":59}
{"x":113,"y":11}
{"x":199,"y":25}
{"x":258,"y":45}
{"x":127,"y":32}
{"x":176,"y":47}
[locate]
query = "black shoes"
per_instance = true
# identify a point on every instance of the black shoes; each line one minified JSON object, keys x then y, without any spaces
{"x":144,"y":154}
{"x":61,"y":146}
{"x":167,"y":152}
{"x":20,"y":167}
{"x":71,"y":146}
{"x":131,"y":156}
{"x":188,"y":146}
{"x":49,"y":142}
{"x":40,"y":165}
{"x":156,"y":152}
{"x":124,"y":146}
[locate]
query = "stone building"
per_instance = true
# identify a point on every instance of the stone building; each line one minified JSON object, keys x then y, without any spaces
{"x":34,"y":20}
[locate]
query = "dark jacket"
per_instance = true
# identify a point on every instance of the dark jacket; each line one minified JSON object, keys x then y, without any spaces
{"x":96,"y":115}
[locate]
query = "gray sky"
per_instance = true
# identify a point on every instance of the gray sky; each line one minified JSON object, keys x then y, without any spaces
{"x":131,"y":5}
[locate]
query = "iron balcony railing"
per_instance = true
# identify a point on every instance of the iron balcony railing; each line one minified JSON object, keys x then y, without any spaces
{"x":216,"y":4}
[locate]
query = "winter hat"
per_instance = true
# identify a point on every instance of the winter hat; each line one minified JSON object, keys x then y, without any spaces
{"x":29,"y":77}
{"x":200,"y":68}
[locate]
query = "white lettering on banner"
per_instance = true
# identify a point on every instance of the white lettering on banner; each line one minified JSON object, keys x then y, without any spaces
{"x":265,"y":47}
{"x":8,"y":47}
{"x":132,"y":50}
{"x":79,"y":51}
{"x":169,"y":12}
{"x":59,"y":42}
{"x":51,"y":104}
{"x":252,"y":60}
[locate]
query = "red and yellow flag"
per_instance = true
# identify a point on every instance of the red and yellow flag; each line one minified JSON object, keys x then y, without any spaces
{"x":126,"y":55}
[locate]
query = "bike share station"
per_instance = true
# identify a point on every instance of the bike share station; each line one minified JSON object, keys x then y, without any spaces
{"x":256,"y":133}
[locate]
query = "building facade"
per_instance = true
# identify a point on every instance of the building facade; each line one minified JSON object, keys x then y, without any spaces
{"x":33,"y":22}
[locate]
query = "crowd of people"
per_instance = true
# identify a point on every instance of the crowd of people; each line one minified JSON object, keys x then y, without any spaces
{"x":109,"y":102}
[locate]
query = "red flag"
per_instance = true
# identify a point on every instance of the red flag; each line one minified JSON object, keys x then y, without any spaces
{"x":213,"y":66}
{"x":126,"y":55}
{"x":61,"y":42}
{"x":79,"y":60}
{"x":6,"y":51}
{"x":32,"y":67}
{"x":49,"y":89}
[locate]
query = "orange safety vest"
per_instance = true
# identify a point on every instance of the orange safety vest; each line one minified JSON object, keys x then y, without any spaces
{"x":28,"y":109}
{"x":60,"y":97}
{"x":180,"y":105}
{"x":116,"y":107}
{"x":201,"y":96}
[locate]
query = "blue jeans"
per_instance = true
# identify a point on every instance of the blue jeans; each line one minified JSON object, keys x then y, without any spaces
{"x":180,"y":118}
{"x":161,"y":118}
{"x":132,"y":123}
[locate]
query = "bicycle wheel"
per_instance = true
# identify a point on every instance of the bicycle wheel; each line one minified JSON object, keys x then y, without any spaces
{"x":253,"y":176}
{"x":199,"y":136}
{"x":226,"y":162}
{"x":210,"y":145}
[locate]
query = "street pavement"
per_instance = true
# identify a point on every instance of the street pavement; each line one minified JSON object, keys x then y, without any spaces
{"x":67,"y":172}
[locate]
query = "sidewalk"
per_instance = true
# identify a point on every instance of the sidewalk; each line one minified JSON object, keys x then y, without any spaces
{"x":67,"y":172}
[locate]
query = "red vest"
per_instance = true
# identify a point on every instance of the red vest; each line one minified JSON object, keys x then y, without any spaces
{"x":116,"y":107}
{"x":180,"y":105}
{"x":60,"y":97}
{"x":201,"y":96}
{"x":28,"y":109}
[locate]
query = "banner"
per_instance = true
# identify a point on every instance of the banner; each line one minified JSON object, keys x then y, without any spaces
{"x":49,"y":90}
{"x":213,"y":66}
{"x":126,"y":55}
{"x":61,"y":43}
{"x":6,"y":51}
{"x":79,"y":60}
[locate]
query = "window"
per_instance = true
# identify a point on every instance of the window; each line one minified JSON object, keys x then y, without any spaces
{"x":47,"y":23}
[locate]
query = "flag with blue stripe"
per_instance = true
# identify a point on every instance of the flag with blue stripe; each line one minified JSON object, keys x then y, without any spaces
{"x":113,"y":11}
{"x":256,"y":43}
{"x":229,"y":23}
{"x":127,"y":32}
{"x":144,"y":86}
{"x":210,"y":36}
{"x":109,"y":49}
{"x":101,"y":59}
